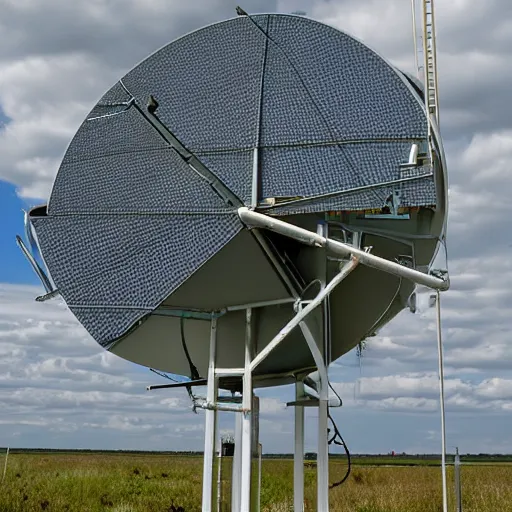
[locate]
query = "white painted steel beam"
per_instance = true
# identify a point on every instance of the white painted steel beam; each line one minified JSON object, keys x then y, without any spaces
{"x":245,"y":491}
{"x":310,"y":238}
{"x":236,"y":481}
{"x":298,"y":454}
{"x":322,"y":460}
{"x":301,"y":315}
{"x":322,"y":463}
{"x":441,"y":400}
{"x":210,"y":424}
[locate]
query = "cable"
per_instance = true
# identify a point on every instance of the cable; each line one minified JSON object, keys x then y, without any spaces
{"x":340,"y":442}
{"x":194,"y":374}
{"x":338,"y":396}
{"x":164,"y":375}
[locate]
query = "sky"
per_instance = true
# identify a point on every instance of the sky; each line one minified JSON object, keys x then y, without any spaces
{"x":59,"y":389}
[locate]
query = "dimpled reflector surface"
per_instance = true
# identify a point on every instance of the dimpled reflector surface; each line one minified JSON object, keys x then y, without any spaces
{"x":129,"y":220}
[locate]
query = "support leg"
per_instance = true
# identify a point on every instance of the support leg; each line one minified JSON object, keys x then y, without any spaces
{"x":219,"y":477}
{"x":322,"y":462}
{"x":237,"y":460}
{"x":245,"y":501}
{"x":259,"y":478}
{"x":298,"y":456}
{"x":210,"y":425}
{"x":245,"y":491}
{"x":441,"y":400}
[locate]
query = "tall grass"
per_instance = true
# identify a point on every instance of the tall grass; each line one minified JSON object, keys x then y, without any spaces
{"x":156,"y":483}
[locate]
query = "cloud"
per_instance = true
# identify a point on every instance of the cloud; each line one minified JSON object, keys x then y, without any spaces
{"x":473,"y":61}
{"x":475,"y":320}
{"x":57,"y":387}
{"x":270,"y":406}
{"x":418,"y":392}
{"x":54,"y":376}
{"x":59,"y":58}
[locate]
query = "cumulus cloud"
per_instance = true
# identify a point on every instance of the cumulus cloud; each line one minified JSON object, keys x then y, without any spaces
{"x":54,"y":376}
{"x":58,"y":59}
{"x":417,"y":392}
{"x":59,"y":388}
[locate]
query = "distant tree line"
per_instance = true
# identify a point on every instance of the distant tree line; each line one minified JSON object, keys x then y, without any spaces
{"x":307,"y":456}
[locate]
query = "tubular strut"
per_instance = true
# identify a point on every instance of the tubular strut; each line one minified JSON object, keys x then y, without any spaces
{"x":242,"y":472}
{"x":254,"y":219}
{"x":432,"y":108}
{"x":441,"y":399}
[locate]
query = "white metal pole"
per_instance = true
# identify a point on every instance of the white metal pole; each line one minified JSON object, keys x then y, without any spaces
{"x":365,"y":258}
{"x":260,"y":453}
{"x":458,"y":489}
{"x":322,"y":463}
{"x":210,"y":424}
{"x":425,"y":53}
{"x":298,"y":455}
{"x":219,"y":477}
{"x":441,"y":397}
{"x":433,"y":43}
{"x":237,"y":457}
{"x":245,"y":494}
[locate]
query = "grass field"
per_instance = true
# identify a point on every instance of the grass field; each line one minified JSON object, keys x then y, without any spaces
{"x":164,"y":483}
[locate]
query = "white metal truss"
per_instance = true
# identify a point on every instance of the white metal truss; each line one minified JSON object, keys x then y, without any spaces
{"x":430,"y":59}
{"x":356,"y":256}
{"x":429,"y":66}
{"x":432,"y":108}
{"x":349,"y":257}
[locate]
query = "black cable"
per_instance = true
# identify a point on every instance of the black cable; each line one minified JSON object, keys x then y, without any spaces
{"x":194,"y":374}
{"x":341,"y":442}
{"x":338,"y":396}
{"x":164,"y":375}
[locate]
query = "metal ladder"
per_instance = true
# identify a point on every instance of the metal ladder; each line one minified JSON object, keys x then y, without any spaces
{"x":428,"y":48}
{"x":430,"y":61}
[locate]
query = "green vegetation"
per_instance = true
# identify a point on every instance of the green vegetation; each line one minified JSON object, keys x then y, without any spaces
{"x":137,"y":482}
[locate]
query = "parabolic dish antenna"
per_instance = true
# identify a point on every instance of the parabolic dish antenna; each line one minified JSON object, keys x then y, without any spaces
{"x":226,"y":185}
{"x":280,"y":114}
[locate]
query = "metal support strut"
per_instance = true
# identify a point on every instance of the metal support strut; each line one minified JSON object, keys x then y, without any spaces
{"x":298,"y":454}
{"x":245,"y":495}
{"x":259,"y":220}
{"x":441,"y":399}
{"x":255,"y":219}
{"x":210,"y":423}
{"x":248,"y":412}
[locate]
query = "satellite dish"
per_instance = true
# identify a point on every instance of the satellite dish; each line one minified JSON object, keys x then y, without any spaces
{"x":245,"y":206}
{"x":277,"y":113}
